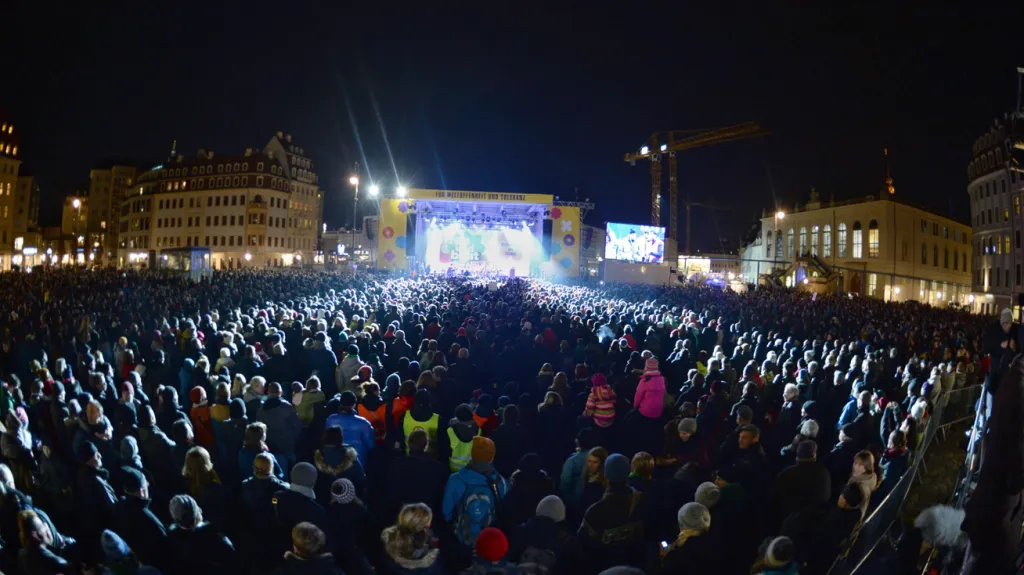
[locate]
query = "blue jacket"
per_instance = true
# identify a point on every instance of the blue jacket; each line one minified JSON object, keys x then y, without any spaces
{"x":357,"y":431}
{"x":571,"y":483}
{"x":849,"y":413}
{"x":458,"y":484}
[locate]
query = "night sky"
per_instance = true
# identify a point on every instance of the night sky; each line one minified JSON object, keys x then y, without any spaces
{"x":538,"y":101}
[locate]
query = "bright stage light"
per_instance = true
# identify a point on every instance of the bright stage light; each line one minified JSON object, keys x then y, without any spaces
{"x":402,"y":191}
{"x":644,"y":150}
{"x":354,"y":181}
{"x":664,"y":147}
{"x":374,"y":190}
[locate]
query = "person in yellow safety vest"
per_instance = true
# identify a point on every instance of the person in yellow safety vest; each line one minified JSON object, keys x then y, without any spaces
{"x":461,"y":431}
{"x":421,"y":416}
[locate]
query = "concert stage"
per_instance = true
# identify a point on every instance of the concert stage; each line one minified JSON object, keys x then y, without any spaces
{"x":483,"y":233}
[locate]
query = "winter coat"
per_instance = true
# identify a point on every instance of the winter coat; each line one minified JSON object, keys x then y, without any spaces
{"x":96,"y":500}
{"x":431,"y":479}
{"x":461,"y":482}
{"x":894,"y":465}
{"x":347,"y":369}
{"x":293,"y":508}
{"x":201,"y":551}
{"x":510,"y":444}
{"x":601,"y":405}
{"x":333,"y":463}
{"x":283,"y":425}
{"x":612,"y":532}
{"x":324,"y":564}
{"x":806,"y":485}
{"x":698,"y":554}
{"x":649,"y":399}
{"x":829,"y":537}
{"x":521,"y":502}
{"x":540,"y":535}
{"x":323,"y":363}
{"x":156,"y":449}
{"x":256,"y":500}
{"x":358,"y":432}
{"x":427,"y":563}
{"x":141,"y":530}
{"x":202,"y":424}
{"x":305,"y":408}
{"x":246,"y":459}
{"x":230,"y":437}
{"x":353,"y":535}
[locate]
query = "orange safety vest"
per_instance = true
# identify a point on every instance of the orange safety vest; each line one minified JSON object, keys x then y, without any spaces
{"x":377,"y":418}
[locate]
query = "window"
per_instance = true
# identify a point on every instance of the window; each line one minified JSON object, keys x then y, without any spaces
{"x":235,"y":181}
{"x":935,"y":256}
{"x":234,"y":200}
{"x":207,"y":220}
{"x":873,"y":243}
{"x":778,"y":234}
{"x":945,"y":258}
{"x":990,"y":215}
{"x":956,"y":260}
{"x":789,"y":243}
{"x":1017,"y":234}
{"x":998,"y":275}
{"x":217,"y":201}
{"x":963,"y":259}
{"x":1018,"y":274}
{"x":945,"y":232}
{"x":803,"y":241}
{"x":232,"y":220}
{"x":858,"y":241}
{"x":935,"y":229}
{"x":767,"y":236}
{"x":814,"y":240}
{"x":1006,"y":214}
{"x":872,"y":284}
{"x":1006,"y":244}
{"x":1016,"y":205}
{"x":215,"y":241}
{"x":924,"y":226}
{"x":826,"y":242}
{"x":841,"y":240}
{"x":259,"y":180}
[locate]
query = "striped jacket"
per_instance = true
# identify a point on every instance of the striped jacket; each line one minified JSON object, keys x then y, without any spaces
{"x":601,"y":405}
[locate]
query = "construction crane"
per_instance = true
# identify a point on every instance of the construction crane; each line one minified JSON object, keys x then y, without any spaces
{"x":674,"y":141}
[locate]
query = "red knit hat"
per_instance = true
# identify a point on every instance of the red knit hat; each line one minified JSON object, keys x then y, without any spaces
{"x":491,"y":545}
{"x":197,"y":395}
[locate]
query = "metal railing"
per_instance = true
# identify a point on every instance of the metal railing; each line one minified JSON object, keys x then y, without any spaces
{"x":952,"y":408}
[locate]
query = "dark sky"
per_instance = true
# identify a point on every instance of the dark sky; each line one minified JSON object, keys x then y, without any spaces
{"x":540,"y":101}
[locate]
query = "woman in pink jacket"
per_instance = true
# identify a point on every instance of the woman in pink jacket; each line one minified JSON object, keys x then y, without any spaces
{"x":650,"y":393}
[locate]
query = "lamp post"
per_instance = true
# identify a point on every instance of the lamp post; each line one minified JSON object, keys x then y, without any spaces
{"x":354,"y":181}
{"x":77,"y":204}
{"x":779,"y":215}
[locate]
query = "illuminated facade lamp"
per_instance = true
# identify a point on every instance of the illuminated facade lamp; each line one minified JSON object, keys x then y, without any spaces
{"x":897,"y":290}
{"x":402,"y":191}
{"x":970,"y":298}
{"x":248,"y":256}
{"x":644,"y":150}
{"x":664,"y":147}
{"x":374,"y":190}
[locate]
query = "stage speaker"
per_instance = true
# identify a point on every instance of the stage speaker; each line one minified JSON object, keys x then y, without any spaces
{"x":410,"y":235}
{"x":545,"y":241}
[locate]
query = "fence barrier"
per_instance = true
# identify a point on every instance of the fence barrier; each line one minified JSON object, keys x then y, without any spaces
{"x":953,"y":407}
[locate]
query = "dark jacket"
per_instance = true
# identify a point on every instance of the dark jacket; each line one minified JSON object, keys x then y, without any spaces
{"x":96,"y":498}
{"x":203,"y":551}
{"x":293,"y":508}
{"x":542,"y":534}
{"x":283,"y":425}
{"x":521,"y":502}
{"x":829,"y":537}
{"x":352,"y":535}
{"x":510,"y":443}
{"x":333,"y":463}
{"x":257,"y":496}
{"x":141,"y":529}
{"x":156,"y":449}
{"x":699,"y":554}
{"x":431,"y":477}
{"x":230,"y":437}
{"x":612,"y":532}
{"x":321,"y":565}
{"x":840,"y":463}
{"x":802,"y":486}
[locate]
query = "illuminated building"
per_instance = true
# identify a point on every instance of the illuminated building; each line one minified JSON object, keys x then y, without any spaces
{"x":107,"y":188}
{"x":262,"y":208}
{"x":996,"y":183}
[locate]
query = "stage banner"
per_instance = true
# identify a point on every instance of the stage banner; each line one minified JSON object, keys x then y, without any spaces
{"x":565,"y":248}
{"x":392,"y":241}
{"x":496,"y":197}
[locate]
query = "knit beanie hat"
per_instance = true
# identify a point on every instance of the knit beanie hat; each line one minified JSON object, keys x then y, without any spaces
{"x":491,"y":545}
{"x":482,"y":450}
{"x":687,"y":425}
{"x":651,"y":364}
{"x":707,"y":494}
{"x":552,"y":507}
{"x":348,"y":399}
{"x":197,"y":395}
{"x":132,"y":479}
{"x":343,"y":491}
{"x":353,"y":350}
{"x":85,"y":451}
{"x":185,"y":511}
{"x":694,"y":516}
{"x":236,"y":407}
{"x":780,"y":552}
{"x":114,"y":547}
{"x":304,"y":474}
{"x":598,"y":379}
{"x":616,"y":468}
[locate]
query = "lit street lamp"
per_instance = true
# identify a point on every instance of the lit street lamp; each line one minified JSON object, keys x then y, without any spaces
{"x":402,"y":191}
{"x":779,"y":216}
{"x":374,"y":190}
{"x":354,"y":180}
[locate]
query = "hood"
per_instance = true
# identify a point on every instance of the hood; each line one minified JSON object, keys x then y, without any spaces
{"x":237,"y":408}
{"x":940,"y":526}
{"x":465,"y":431}
{"x":472,"y":477}
{"x":372,"y":402}
{"x":334,"y":461}
{"x":272,"y":402}
{"x":427,"y":560}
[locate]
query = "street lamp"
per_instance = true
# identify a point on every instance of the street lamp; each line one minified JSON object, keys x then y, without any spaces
{"x":354,"y":180}
{"x":77,"y":204}
{"x":779,"y":216}
{"x":374,"y":190}
{"x":401,"y":191}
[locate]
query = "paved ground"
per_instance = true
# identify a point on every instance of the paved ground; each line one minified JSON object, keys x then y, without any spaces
{"x":943,"y":461}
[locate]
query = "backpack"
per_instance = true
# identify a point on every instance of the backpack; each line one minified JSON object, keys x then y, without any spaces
{"x":537,"y":561}
{"x":478,"y":511}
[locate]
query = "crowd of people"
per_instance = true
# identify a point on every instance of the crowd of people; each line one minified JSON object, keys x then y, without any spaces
{"x":305,"y":422}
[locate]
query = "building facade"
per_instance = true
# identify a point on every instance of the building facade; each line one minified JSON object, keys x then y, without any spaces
{"x":995,"y":186}
{"x":877,"y":246}
{"x":108,"y":186}
{"x":11,"y":243}
{"x":259,"y":209}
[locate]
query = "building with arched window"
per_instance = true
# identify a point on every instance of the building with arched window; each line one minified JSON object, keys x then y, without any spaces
{"x":995,"y":186}
{"x":263,"y":208}
{"x":882,"y":247}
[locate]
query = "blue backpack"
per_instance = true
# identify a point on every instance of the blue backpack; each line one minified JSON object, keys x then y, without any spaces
{"x":479,"y":510}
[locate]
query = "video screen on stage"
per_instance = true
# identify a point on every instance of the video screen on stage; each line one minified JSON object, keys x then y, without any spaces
{"x":497,"y":249}
{"x":634,"y":243}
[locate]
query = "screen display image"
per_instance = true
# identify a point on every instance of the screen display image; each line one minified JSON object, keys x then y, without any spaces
{"x":634,"y":243}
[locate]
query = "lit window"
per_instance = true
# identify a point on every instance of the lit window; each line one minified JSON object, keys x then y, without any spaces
{"x":19,"y":243}
{"x":858,"y":241}
{"x":872,"y":284}
{"x":826,"y":242}
{"x":803,"y":241}
{"x":873,"y":243}
{"x":790,"y":247}
{"x":814,"y":240}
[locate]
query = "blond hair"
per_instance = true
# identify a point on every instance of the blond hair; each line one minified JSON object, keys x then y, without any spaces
{"x":409,"y":533}
{"x":642,"y":464}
